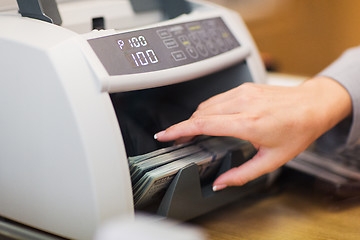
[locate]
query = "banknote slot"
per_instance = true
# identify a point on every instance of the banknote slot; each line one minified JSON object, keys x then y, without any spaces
{"x":153,"y":164}
{"x":142,"y":113}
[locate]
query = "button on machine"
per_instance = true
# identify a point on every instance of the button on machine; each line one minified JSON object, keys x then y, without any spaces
{"x":202,"y":50}
{"x":163,"y":33}
{"x":178,"y":55}
{"x":170,"y":43}
{"x":192,"y":52}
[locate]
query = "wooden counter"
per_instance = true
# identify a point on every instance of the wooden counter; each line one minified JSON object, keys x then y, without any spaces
{"x":296,"y":209}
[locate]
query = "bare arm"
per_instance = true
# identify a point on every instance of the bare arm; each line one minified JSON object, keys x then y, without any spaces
{"x":280,"y":122}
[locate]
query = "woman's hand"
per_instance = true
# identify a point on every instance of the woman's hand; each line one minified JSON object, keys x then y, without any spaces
{"x":280,"y":122}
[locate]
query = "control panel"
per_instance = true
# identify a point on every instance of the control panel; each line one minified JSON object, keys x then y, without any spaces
{"x":163,"y":47}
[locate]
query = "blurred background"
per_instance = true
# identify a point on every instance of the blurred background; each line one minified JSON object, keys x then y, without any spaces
{"x":300,"y":36}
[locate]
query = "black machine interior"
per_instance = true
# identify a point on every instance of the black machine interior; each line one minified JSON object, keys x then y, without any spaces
{"x":143,"y":113}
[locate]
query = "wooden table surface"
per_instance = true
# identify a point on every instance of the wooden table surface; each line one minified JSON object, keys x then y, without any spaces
{"x":296,"y":209}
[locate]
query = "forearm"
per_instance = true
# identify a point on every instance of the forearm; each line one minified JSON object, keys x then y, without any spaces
{"x":346,"y":71}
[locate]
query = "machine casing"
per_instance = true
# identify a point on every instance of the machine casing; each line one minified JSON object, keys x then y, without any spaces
{"x":63,"y":165}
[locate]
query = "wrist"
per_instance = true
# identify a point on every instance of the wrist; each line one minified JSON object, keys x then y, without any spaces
{"x":331,"y":101}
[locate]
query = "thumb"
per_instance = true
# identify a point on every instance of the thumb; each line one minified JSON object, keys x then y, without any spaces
{"x":265,"y":161}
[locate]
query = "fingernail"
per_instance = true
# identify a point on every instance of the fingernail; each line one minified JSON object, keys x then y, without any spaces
{"x":219,"y":187}
{"x":159,"y":134}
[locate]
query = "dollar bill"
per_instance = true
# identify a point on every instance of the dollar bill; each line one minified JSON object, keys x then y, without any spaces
{"x":139,"y":158}
{"x":140,"y":168}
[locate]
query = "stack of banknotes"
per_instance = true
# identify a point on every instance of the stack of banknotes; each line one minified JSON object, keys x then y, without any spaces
{"x":152,"y":173}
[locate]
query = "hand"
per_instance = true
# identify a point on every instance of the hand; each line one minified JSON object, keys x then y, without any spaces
{"x":279,"y":121}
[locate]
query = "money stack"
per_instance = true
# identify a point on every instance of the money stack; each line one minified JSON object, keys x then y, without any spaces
{"x":153,"y":172}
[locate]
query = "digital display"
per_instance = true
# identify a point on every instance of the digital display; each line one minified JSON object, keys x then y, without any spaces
{"x":163,"y":47}
{"x":137,"y":52}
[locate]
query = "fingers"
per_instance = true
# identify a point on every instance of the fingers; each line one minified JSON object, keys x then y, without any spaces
{"x":231,"y":106}
{"x":214,"y":125}
{"x":245,"y":98}
{"x":215,"y":112}
{"x":263,"y":162}
{"x":220,"y":98}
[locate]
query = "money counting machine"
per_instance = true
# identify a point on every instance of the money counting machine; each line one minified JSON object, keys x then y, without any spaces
{"x":86,"y":84}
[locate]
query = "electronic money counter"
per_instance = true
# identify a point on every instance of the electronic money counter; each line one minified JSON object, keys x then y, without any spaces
{"x":86,"y":84}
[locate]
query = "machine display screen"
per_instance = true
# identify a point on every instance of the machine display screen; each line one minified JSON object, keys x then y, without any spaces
{"x":163,"y":47}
